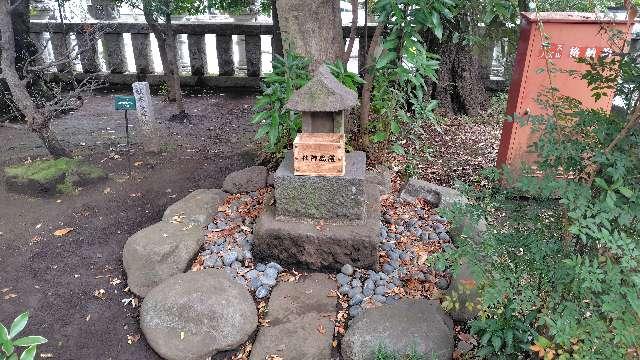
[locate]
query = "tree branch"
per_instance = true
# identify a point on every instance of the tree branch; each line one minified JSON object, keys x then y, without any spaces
{"x":354,"y":29}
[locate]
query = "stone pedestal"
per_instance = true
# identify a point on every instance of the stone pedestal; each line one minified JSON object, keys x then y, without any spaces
{"x":335,"y":199}
{"x":318,"y":245}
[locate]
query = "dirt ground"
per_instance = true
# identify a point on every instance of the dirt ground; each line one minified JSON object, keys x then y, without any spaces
{"x":56,"y":278}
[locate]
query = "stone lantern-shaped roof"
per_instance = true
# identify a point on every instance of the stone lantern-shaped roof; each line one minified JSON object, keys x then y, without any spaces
{"x":322,"y":102}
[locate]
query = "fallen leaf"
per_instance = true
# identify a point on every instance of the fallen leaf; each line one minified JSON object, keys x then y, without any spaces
{"x":107,"y":190}
{"x":63,"y":231}
{"x":100,"y":294}
{"x":46,"y":355}
{"x":88,"y":317}
{"x":138,"y":163}
{"x":181,"y":335}
{"x":132,"y":339}
{"x":321,"y":329}
{"x":9,"y":296}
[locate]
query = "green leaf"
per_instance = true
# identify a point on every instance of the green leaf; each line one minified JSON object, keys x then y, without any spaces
{"x":396,"y":148}
{"x":262,"y":131}
{"x":496,"y":341}
{"x":395,"y":127}
{"x":30,"y":340}
{"x":7,"y":347}
{"x":485,"y":338}
{"x":437,"y":25}
{"x":29,"y":354}
{"x":4,"y":334}
{"x":379,"y":136}
{"x":18,"y":324}
{"x":385,"y":59}
{"x":626,"y":191}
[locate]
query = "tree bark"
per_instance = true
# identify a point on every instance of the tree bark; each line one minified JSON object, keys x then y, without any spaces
{"x":312,"y":28}
{"x":36,"y":119}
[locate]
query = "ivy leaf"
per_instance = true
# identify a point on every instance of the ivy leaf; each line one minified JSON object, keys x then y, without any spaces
{"x":385,"y":59}
{"x":496,"y":341}
{"x":395,"y":127}
{"x":626,"y":191}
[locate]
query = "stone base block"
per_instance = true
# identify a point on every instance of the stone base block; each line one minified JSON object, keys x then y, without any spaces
{"x":318,"y":245}
{"x":339,"y":198}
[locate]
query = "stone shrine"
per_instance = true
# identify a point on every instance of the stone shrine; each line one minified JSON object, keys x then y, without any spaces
{"x":325,"y":213}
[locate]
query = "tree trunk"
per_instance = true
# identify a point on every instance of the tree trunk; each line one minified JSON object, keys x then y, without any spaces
{"x":172,"y":72}
{"x":312,"y":28}
{"x":277,"y":35}
{"x":366,"y":89}
{"x":37,"y":121}
{"x":352,"y":33}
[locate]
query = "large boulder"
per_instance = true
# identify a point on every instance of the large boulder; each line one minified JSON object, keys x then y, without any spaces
{"x":300,"y":321}
{"x":463,"y":294}
{"x":409,"y":324}
{"x":195,"y":315}
{"x":158,"y":252}
{"x":435,"y":195}
{"x":196,"y":208}
{"x":246,"y":180}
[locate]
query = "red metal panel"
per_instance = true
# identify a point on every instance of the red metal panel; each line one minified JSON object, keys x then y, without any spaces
{"x":571,"y":35}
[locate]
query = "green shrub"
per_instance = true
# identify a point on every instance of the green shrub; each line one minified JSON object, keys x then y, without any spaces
{"x":9,"y":342}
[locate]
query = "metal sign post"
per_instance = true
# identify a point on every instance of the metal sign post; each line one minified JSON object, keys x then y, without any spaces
{"x":126,"y":103}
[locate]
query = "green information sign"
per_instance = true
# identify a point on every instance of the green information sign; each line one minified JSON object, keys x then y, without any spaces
{"x":125,"y":102}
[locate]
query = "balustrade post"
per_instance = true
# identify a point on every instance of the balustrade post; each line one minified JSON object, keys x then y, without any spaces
{"x":115,"y":57}
{"x":197,"y":54}
{"x":61,"y":44}
{"x":88,"y":51}
{"x":39,"y":43}
{"x":224,"y":48}
{"x":142,"y":54}
{"x":253,"y":55}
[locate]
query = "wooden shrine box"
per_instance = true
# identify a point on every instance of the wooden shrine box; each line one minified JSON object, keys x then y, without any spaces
{"x":319,"y":154}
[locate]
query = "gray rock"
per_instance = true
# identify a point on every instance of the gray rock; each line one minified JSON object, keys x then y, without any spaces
{"x":196,"y":208}
{"x":380,"y":290}
{"x":229,"y":257}
{"x":251,"y":274}
{"x":196,"y":314}
{"x":442,"y":284}
{"x":210,"y":261}
{"x":158,"y":252}
{"x":296,"y":311}
{"x":302,"y":244}
{"x":322,"y":197}
{"x":275,"y":266}
{"x":355,"y":310}
{"x":262,"y":292}
{"x":343,"y":279}
{"x":408,"y":324}
{"x":356,"y":299}
{"x":388,"y":269}
{"x":379,"y":298}
{"x":268,"y":280}
{"x":367,"y":292}
{"x":261,"y":267}
{"x":255,"y":283}
{"x":356,"y":283}
{"x":355,"y":291}
{"x":347,"y":269}
{"x":344,"y":290}
{"x":271,"y":273}
{"x":435,"y":195}
{"x":246,"y":180}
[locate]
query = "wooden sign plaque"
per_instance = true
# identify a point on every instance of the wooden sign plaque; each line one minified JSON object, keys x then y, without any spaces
{"x":319,"y":154}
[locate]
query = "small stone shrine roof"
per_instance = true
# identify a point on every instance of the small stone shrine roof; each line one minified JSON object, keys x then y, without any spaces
{"x":323,"y":93}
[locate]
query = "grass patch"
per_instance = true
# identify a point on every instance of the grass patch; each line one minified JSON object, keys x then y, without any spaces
{"x":60,"y":175}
